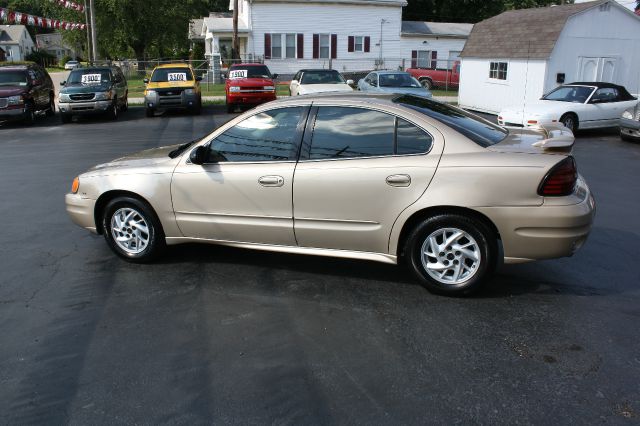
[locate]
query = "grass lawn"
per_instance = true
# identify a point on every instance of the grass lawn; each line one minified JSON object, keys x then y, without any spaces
{"x":136,"y":89}
{"x":438,"y":92}
{"x":54,"y":69}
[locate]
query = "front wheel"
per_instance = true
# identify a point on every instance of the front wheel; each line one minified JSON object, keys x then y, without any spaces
{"x":113,"y":111}
{"x":451,"y":254}
{"x":65,"y":118}
{"x":231,"y":108}
{"x":197,"y":109}
{"x":132,"y":230}
{"x":29,"y":114}
{"x":149,"y":112}
{"x":52,"y":107}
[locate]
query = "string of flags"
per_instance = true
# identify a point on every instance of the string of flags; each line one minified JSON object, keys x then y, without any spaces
{"x":69,"y":5}
{"x":11,"y":17}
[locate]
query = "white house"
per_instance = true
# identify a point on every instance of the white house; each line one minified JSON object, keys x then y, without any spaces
{"x":53,"y":44}
{"x":16,"y":41}
{"x":520,"y":55}
{"x":347,"y":35}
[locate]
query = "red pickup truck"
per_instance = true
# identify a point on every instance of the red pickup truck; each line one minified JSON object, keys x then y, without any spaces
{"x":437,"y":78}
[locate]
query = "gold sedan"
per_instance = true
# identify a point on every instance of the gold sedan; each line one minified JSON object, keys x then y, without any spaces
{"x":375,"y":177}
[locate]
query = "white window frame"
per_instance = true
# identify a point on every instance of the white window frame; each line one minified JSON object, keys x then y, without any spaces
{"x":328,"y":46}
{"x":428,"y":59}
{"x":275,"y":45}
{"x":355,"y":43}
{"x":283,"y":45}
{"x":295,"y":46}
{"x":494,"y":75}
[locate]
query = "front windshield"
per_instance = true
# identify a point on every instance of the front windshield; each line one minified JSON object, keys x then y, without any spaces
{"x":89,"y":76}
{"x":13,"y":78}
{"x":479,"y":130}
{"x":322,"y":77}
{"x":253,"y":71}
{"x":171,"y":75}
{"x":398,"y":80}
{"x":578,"y":94}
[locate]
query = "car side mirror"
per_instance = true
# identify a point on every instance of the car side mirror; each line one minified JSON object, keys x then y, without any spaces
{"x":350,"y":82}
{"x":198,"y":78}
{"x":62,"y":83}
{"x":145,"y":80}
{"x":199,"y":155}
{"x":274,"y":76}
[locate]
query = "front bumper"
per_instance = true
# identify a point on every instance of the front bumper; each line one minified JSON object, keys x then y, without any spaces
{"x":89,"y":107}
{"x":81,"y":211}
{"x":180,"y":101}
{"x":13,"y":113}
{"x":557,"y":228}
{"x":250,"y":98}
{"x":630,"y":128}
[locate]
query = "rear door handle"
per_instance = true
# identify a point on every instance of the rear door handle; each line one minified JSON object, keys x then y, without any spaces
{"x":399,"y":180}
{"x":271,"y":181}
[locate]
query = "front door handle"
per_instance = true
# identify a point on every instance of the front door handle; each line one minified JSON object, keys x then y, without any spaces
{"x":399,"y":180}
{"x":271,"y":181}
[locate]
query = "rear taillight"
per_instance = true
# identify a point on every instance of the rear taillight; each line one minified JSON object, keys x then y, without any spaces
{"x":561,"y":179}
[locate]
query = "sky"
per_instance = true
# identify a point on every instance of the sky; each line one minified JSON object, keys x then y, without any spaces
{"x":628,"y":3}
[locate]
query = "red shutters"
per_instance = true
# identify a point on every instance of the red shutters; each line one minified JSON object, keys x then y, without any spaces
{"x":367,"y":44}
{"x":414,"y":59}
{"x":434,"y":59}
{"x":300,"y":46}
{"x":316,"y":46}
{"x":351,"y":44}
{"x":267,"y":46}
{"x":334,"y":46}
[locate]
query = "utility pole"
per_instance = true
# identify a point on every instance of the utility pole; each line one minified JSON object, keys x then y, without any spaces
{"x":88,"y":28}
{"x":236,"y":43}
{"x":94,"y":41}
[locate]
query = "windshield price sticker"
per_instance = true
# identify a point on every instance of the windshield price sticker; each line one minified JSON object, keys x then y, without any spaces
{"x":177,"y":76}
{"x":90,"y":78}
{"x":238,"y":74}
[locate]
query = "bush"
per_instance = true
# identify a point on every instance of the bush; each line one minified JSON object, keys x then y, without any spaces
{"x":41,"y":57}
{"x":64,"y":60}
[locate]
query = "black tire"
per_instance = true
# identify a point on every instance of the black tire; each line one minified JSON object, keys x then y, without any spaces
{"x":570,"y":121}
{"x":149,"y":112}
{"x":51,"y":111}
{"x":197,"y":109}
{"x":65,"y":118}
{"x":30,"y":115}
{"x":155,"y":236}
{"x":231,"y":108}
{"x":113,"y":111}
{"x":125,"y":105}
{"x":486,"y":246}
{"x":427,"y":83}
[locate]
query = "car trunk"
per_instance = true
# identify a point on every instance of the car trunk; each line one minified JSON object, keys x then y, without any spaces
{"x":551,"y":139}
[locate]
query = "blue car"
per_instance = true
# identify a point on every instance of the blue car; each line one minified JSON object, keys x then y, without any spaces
{"x":392,"y":82}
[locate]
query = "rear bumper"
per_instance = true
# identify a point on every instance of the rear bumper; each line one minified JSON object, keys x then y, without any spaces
{"x":81,"y":211}
{"x":90,"y":107}
{"x":548,"y":231}
{"x":250,"y":98}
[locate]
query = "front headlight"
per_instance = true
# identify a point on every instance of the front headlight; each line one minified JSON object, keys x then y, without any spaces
{"x":628,"y":114}
{"x":149,"y":92}
{"x":15,"y":100}
{"x":234,"y":88}
{"x":189,"y":91}
{"x":103,"y":96}
{"x":269,"y":88}
{"x":64,"y":97}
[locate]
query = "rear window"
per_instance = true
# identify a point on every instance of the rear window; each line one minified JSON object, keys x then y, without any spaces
{"x":479,"y":130}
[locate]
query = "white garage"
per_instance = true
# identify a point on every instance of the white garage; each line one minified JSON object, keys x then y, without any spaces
{"x":519,"y":55}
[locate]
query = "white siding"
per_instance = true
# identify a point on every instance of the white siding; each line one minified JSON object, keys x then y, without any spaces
{"x":440,"y":44}
{"x":593,"y":33}
{"x":525,"y":83}
{"x":342,"y":20}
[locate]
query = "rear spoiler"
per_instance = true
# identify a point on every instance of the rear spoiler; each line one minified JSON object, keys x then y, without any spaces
{"x":557,"y":137}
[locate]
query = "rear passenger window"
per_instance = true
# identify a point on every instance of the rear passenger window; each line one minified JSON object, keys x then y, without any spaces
{"x":341,"y":132}
{"x":411,"y":139}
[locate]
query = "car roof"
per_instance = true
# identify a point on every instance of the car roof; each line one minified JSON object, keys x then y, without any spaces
{"x":389,"y":72}
{"x":598,"y":84}
{"x":359,"y":97}
{"x":16,"y":67}
{"x":318,"y":70}
{"x":93,"y":69}
{"x":176,"y":65}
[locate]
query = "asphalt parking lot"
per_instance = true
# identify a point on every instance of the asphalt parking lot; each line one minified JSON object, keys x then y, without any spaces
{"x":213,"y":335}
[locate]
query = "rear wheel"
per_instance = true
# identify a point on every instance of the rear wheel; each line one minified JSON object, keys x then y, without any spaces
{"x":426,"y":83}
{"x":570,"y":121}
{"x":132,"y":230}
{"x":451,"y":254}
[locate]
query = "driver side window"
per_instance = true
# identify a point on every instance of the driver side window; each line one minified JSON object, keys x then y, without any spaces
{"x":267,"y":136}
{"x":605,"y":95}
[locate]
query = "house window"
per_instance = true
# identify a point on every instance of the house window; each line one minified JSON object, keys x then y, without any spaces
{"x":276,"y":46}
{"x":498,"y":70}
{"x":424,"y":59}
{"x":325,"y":45}
{"x":290,"y":51}
{"x":359,"y":44}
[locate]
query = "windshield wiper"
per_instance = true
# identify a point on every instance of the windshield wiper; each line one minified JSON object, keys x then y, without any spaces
{"x":179,"y":150}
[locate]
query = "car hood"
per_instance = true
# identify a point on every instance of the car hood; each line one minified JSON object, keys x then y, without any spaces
{"x":142,"y":159}
{"x":418,"y":91}
{"x":524,"y":140}
{"x":72,"y":88}
{"x":540,"y":108}
{"x":324,"y":88}
{"x":250,"y":82}
{"x":6,"y":91}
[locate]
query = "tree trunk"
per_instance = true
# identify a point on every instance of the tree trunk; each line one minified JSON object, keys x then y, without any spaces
{"x":236,"y":42}
{"x":139,"y":50}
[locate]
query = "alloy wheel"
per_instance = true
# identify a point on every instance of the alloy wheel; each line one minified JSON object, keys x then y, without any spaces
{"x":130,"y":230}
{"x":450,"y":256}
